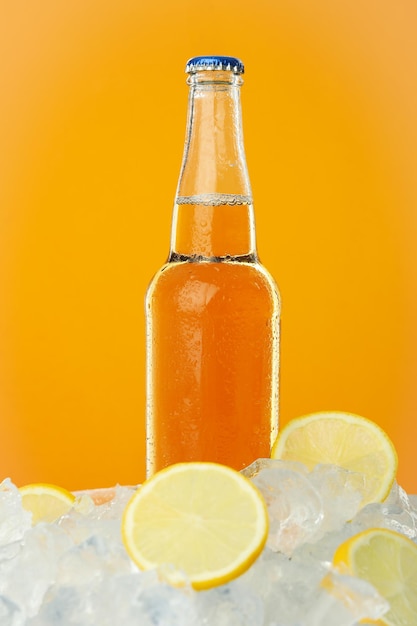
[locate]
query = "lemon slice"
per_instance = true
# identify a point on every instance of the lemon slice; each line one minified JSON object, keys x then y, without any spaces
{"x":350,"y":441}
{"x":201,"y":522}
{"x":388,"y":560}
{"x":46,"y":502}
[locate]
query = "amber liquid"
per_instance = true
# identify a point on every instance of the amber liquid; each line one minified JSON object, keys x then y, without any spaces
{"x":212,"y":356}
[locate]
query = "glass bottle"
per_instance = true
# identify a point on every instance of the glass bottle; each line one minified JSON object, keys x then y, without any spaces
{"x":212,"y":310}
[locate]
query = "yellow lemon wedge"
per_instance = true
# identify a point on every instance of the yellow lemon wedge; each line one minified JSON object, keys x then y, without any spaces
{"x":350,"y":441}
{"x":201,"y":522}
{"x":46,"y":502}
{"x":388,"y":560}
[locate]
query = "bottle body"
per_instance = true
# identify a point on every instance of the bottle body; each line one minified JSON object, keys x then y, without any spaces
{"x":213,"y":359}
{"x":212,"y":310}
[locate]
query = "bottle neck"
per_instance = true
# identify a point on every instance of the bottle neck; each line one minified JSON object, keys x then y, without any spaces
{"x":213,"y":215}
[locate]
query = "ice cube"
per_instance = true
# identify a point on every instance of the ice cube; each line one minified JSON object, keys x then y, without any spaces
{"x":294,"y":506}
{"x":303,"y":505}
{"x":257,"y":466}
{"x":398,"y":512}
{"x":65,"y":606}
{"x":90,"y":560}
{"x":345,"y":600}
{"x":10,"y":613}
{"x":33,"y":569}
{"x":86,"y":519}
{"x":162,"y":605}
{"x":395,"y":513}
{"x":287,"y":586}
{"x":114,"y":505}
{"x":14,"y":520}
{"x":235,"y":603}
{"x":340,"y":492}
{"x":141,"y":598}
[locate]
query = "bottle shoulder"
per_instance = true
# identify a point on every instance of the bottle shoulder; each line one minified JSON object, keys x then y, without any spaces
{"x":242,"y":278}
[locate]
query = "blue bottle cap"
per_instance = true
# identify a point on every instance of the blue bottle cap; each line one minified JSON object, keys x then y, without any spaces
{"x":229,"y":64}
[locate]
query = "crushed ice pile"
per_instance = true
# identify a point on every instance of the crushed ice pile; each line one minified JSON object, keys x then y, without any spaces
{"x":76,"y":571}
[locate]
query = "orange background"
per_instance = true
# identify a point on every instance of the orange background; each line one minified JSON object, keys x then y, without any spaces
{"x":92,"y":120}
